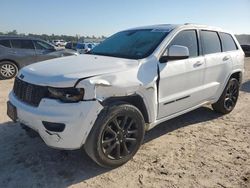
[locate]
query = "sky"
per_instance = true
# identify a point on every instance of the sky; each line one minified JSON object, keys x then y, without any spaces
{"x":105,"y":17}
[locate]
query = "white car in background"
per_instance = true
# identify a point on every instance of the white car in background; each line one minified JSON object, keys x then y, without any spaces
{"x":83,"y":48}
{"x":105,"y":100}
{"x":59,"y":43}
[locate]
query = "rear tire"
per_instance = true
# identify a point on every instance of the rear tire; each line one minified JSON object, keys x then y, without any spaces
{"x":116,"y":135}
{"x":8,"y":70}
{"x":228,"y":98}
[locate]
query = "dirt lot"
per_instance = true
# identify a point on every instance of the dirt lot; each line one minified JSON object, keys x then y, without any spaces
{"x":198,"y":149}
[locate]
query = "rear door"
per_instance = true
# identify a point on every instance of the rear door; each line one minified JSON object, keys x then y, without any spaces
{"x":230,"y":48}
{"x":23,"y":50}
{"x":218,"y":64}
{"x":181,"y":81}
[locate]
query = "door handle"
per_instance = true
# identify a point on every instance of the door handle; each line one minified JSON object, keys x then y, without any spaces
{"x":225,"y":58}
{"x":197,"y":64}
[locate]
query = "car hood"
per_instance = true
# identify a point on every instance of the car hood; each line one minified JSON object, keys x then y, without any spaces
{"x":65,"y":71}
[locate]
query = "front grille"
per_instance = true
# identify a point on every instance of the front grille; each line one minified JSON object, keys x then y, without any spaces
{"x":29,"y":93}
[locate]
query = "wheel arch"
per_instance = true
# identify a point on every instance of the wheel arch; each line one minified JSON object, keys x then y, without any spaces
{"x":10,"y":60}
{"x":135,"y":100}
{"x":237,"y":75}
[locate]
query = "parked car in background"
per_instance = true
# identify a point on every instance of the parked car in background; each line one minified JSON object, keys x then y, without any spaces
{"x":71,"y":45}
{"x":59,"y":43}
{"x":105,"y":100}
{"x":83,"y":48}
{"x":246,"y":49}
{"x":17,"y":52}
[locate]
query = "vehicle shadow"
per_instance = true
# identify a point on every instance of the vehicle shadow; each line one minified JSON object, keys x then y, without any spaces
{"x":28,"y":162}
{"x":202,"y":114}
{"x":245,"y":86}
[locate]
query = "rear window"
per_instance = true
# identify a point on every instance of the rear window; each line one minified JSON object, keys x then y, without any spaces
{"x":22,"y":44}
{"x":228,"y":43}
{"x":210,"y":42}
{"x":5,"y":43}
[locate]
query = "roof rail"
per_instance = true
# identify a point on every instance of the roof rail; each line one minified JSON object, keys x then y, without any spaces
{"x":194,"y":24}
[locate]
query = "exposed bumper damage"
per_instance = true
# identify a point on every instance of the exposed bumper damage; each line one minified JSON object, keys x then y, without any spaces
{"x":77,"y":124}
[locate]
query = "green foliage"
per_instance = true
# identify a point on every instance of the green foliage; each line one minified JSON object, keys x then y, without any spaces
{"x":53,"y":36}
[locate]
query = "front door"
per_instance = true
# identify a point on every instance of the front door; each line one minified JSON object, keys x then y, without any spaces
{"x":181,"y":81}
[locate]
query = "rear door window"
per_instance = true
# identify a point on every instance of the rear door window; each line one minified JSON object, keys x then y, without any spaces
{"x":22,"y":44}
{"x":5,"y":43}
{"x":188,"y":39}
{"x":210,"y":42}
{"x":228,"y":43}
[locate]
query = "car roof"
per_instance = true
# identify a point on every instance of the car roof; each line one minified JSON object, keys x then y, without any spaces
{"x":18,"y":37}
{"x":170,"y":27}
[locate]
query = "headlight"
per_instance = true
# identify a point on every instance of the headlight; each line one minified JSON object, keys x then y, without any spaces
{"x":66,"y":94}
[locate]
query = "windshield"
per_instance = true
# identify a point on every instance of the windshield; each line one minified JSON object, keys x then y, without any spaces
{"x":132,"y":44}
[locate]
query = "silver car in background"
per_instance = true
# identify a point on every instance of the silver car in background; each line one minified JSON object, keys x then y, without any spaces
{"x":17,"y":52}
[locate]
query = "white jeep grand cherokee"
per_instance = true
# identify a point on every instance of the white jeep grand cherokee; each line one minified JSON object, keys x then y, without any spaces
{"x":105,"y":100}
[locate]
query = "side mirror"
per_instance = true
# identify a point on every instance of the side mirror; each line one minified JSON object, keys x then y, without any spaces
{"x":175,"y":52}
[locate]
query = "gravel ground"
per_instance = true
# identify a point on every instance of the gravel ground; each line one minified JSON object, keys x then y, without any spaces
{"x":198,"y":149}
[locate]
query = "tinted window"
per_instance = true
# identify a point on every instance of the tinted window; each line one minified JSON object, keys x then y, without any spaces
{"x":132,"y":44}
{"x":40,"y":45}
{"x":228,"y":43}
{"x":188,"y":39}
{"x":5,"y":43}
{"x":23,"y":44}
{"x":210,"y":42}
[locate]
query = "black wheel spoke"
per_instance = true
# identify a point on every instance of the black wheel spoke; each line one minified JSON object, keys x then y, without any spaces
{"x":110,"y":149}
{"x":132,"y":131}
{"x":109,"y":130}
{"x":116,"y":123}
{"x":124,"y":121}
{"x":108,"y":142}
{"x":234,"y":98}
{"x":132,"y":140}
{"x":118,"y":151}
{"x":235,"y":91}
{"x":125,"y":149}
{"x":130,"y":124}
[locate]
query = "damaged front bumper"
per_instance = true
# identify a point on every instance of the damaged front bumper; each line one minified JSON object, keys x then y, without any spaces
{"x":78,"y":119}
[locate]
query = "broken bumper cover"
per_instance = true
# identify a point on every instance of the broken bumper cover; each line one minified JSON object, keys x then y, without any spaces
{"x":77,"y":117}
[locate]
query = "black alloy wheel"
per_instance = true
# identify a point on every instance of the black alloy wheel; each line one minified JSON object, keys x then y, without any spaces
{"x":119,"y":137}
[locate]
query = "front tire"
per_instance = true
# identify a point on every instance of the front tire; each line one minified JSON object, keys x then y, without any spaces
{"x":229,"y":97}
{"x":116,"y":135}
{"x":8,"y":70}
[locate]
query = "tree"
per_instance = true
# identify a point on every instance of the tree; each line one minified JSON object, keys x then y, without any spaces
{"x":14,"y":32}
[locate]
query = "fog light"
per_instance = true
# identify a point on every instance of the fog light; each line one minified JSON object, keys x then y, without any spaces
{"x":55,"y":127}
